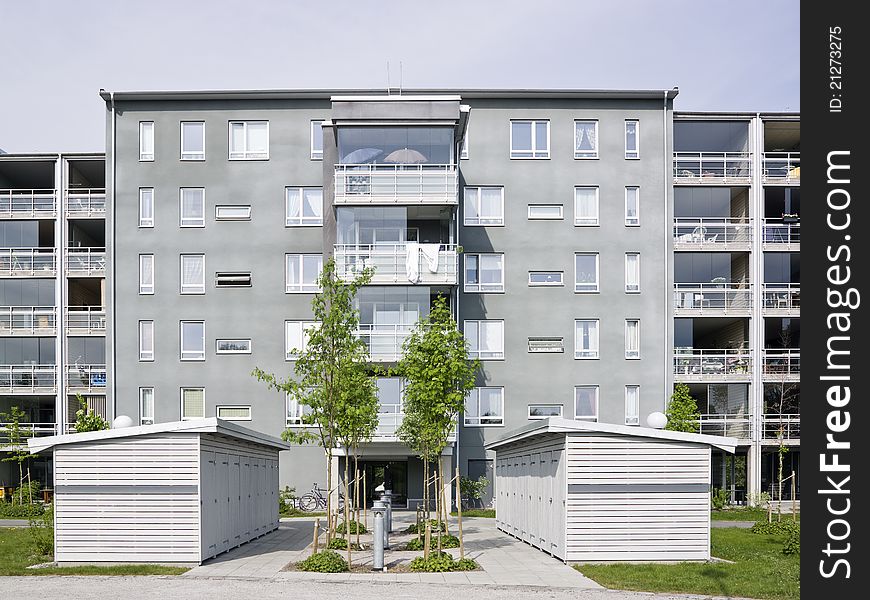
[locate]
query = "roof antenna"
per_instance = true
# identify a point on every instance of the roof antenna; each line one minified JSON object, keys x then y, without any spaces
{"x":388,"y":78}
{"x":400,"y":78}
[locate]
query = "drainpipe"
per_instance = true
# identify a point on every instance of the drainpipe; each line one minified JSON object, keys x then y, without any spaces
{"x":668,"y":247}
{"x":111,"y":274}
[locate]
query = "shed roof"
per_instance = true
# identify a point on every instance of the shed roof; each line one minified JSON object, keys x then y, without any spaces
{"x":209,"y":425}
{"x":559,"y":425}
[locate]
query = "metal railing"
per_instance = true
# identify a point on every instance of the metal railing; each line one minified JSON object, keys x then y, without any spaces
{"x":85,"y":320}
{"x":781,"y":167}
{"x":391,"y":261}
{"x":384,"y":341}
{"x":388,"y":424}
{"x":27,"y":203}
{"x":86,"y":202}
{"x":28,"y":430}
{"x":36,"y":262}
{"x":712,"y":297}
{"x":737,"y":426}
{"x":709,"y":231}
{"x":396,"y":184}
{"x":27,"y":320}
{"x":788,"y":426}
{"x":712,"y":167}
{"x":691,"y":363}
{"x":775,"y":231}
{"x":782,"y":297}
{"x":27,"y":378}
{"x":781,"y":362}
{"x":86,"y":377}
{"x":85,"y":261}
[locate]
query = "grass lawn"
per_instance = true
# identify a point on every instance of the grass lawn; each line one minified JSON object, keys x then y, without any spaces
{"x":761,"y":570}
{"x":487,"y":513}
{"x":17,"y":553}
{"x":747,"y":514}
{"x":295,"y":512}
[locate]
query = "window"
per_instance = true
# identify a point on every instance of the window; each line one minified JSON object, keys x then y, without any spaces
{"x":297,"y":413}
{"x":586,"y":338}
{"x":146,"y":207}
{"x":546,"y":344}
{"x":486,"y":339}
{"x":192,"y":403}
{"x":586,"y":206}
{"x":304,"y":206}
{"x":192,"y":140}
{"x":632,"y":206}
{"x":296,"y":337}
{"x":316,"y":140}
{"x":146,"y":406}
{"x":632,"y":272}
{"x":530,"y":139}
{"x":543,"y":411}
{"x":484,"y":206}
{"x":586,"y":402}
{"x":146,"y":273}
{"x":192,"y":274}
{"x":632,"y":338}
{"x":232,"y":347}
{"x":234,"y":279}
{"x":193,"y":340}
{"x":632,"y":138}
{"x":586,"y":272}
{"x":585,"y":139}
{"x":545,"y":211}
{"x":228,"y":212}
{"x":545,"y":278}
{"x":249,"y":140}
{"x":146,"y":340}
{"x":302,"y":272}
{"x":463,"y":152}
{"x":484,"y":406}
{"x":146,"y":140}
{"x":484,"y":272}
{"x":192,"y":207}
{"x":632,"y":405}
{"x":233,"y":413}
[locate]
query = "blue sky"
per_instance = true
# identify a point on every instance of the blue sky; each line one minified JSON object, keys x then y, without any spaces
{"x":733,"y":56}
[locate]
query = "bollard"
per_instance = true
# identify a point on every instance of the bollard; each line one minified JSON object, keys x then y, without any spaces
{"x":379,"y":535}
{"x":387,"y":499}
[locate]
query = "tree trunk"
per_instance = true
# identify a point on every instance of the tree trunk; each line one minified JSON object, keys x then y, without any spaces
{"x":329,"y":526}
{"x":459,"y":514}
{"x":347,"y":537}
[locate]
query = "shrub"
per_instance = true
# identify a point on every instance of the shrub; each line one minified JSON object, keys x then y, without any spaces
{"x":433,"y":522}
{"x":473,"y":489}
{"x":792,"y":543}
{"x":441,"y":562}
{"x":42,"y":532}
{"x":19,"y":511}
{"x":719,"y":499}
{"x":465,"y":564}
{"x":87,"y":419}
{"x":325,"y":561}
{"x":341,"y":544}
{"x":355,"y":527}
{"x":776,"y":527}
{"x":447,"y":541}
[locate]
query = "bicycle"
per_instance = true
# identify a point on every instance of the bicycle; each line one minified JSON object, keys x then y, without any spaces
{"x":315,"y":499}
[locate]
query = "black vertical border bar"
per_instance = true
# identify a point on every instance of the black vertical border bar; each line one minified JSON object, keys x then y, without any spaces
{"x":834,"y":69}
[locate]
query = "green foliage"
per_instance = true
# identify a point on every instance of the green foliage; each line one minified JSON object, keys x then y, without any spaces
{"x":473,"y":489}
{"x":759,"y":499}
{"x":325,"y":561}
{"x":792,"y":543}
{"x":412,"y":528}
{"x":15,"y":439}
{"x":776,"y":527}
{"x":682,"y":411}
{"x":27,"y":493}
{"x":442,"y":562}
{"x":87,"y":419}
{"x":42,"y":532}
{"x":341,"y":544}
{"x":19,"y":510}
{"x":719,"y":499}
{"x":447,"y":541}
{"x":355,"y":527}
{"x":485,"y":513}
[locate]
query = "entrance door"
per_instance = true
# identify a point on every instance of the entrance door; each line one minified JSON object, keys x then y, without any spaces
{"x":392,"y":474}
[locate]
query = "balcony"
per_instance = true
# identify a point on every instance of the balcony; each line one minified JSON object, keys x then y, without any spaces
{"x":712,"y":299}
{"x":384,"y":341}
{"x":86,"y":203}
{"x":781,"y":364}
{"x":363,"y":184}
{"x":692,"y":364}
{"x":28,"y":320}
{"x":86,"y":262}
{"x":27,"y":379}
{"x":395,"y":263}
{"x":716,"y":168}
{"x":28,"y":430}
{"x":736,"y":426}
{"x":27,"y":204}
{"x":388,"y":424}
{"x":786,"y":427}
{"x":712,"y":234}
{"x":27,"y":262}
{"x":782,"y":299}
{"x":781,"y":234}
{"x":86,"y":320}
{"x":86,"y":378}
{"x":781,"y":168}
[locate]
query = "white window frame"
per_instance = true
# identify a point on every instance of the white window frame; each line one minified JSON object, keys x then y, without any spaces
{"x":592,"y":353}
{"x":588,"y":222}
{"x":245,"y":153}
{"x":477,"y":221}
{"x":592,"y":154}
{"x":540,"y":417}
{"x":544,"y":218}
{"x":146,"y":135}
{"x":145,"y":288}
{"x":481,"y":288}
{"x":631,"y":288}
{"x":295,"y":421}
{"x":145,"y":192}
{"x":146,"y":354}
{"x":301,"y":287}
{"x":217,"y":346}
{"x":632,"y":221}
{"x":559,"y":283}
{"x":217,"y":412}
{"x":219,"y":207}
{"x":193,"y":356}
{"x":143,"y":419}
{"x":597,"y":274}
{"x":477,"y":353}
{"x":474,"y":395}
{"x":632,"y":354}
{"x":316,"y":154}
{"x":194,"y":156}
{"x":190,"y":288}
{"x":301,"y":220}
{"x":594,"y":418}
{"x":635,"y":153}
{"x":304,"y":326}
{"x":181,"y":399}
{"x":632,"y":418}
{"x":536,"y":153}
{"x":190,"y":221}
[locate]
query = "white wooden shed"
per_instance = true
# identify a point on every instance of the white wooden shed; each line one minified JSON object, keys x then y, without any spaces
{"x":599,"y":492}
{"x":170,"y":493}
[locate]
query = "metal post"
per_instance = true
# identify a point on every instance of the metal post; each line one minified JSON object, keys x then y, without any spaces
{"x":380,"y":535}
{"x":387,"y":499}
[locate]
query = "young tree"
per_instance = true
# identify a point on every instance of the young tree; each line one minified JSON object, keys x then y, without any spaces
{"x":87,"y":419}
{"x":682,"y":411}
{"x":16,"y":437}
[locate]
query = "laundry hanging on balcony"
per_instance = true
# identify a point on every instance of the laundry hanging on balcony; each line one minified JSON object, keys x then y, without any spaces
{"x":412,"y":259}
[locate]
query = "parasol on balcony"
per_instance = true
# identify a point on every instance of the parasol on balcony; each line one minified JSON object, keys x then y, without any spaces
{"x":405,"y":156}
{"x":361,"y":156}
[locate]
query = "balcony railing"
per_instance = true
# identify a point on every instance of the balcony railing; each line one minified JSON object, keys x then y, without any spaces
{"x":396,"y":184}
{"x":83,"y":262}
{"x":27,"y":262}
{"x":27,"y":203}
{"x":384,"y":341}
{"x":27,"y":320}
{"x":781,"y":167}
{"x":715,"y":364}
{"x":388,"y":424}
{"x":782,"y":298}
{"x":712,"y":298}
{"x":786,"y":426}
{"x":777,"y":232}
{"x":712,"y":233}
{"x":736,"y":426}
{"x":781,"y":363}
{"x":86,"y":320}
{"x":27,"y":379}
{"x":28,"y":430}
{"x":395,"y":263}
{"x":86,"y":202}
{"x":86,"y":378}
{"x":712,"y":167}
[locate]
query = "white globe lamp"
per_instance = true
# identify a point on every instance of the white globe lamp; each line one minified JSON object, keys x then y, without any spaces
{"x":657,"y":420}
{"x":122,"y":421}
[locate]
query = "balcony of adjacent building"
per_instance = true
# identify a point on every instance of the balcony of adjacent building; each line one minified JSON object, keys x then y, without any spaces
{"x":86,"y":311}
{"x":712,"y":152}
{"x":94,"y":400}
{"x":27,"y":365}
{"x":38,"y":417}
{"x":712,"y":284}
{"x":724,"y":408}
{"x":712,"y":350}
{"x":86,"y":254}
{"x":85,"y":196}
{"x":782,"y":221}
{"x":781,"y":421}
{"x":27,"y":189}
{"x":781,"y":358}
{"x":712,"y":219}
{"x":396,"y":165}
{"x":781,"y":164}
{"x":86,"y":364}
{"x":28,"y":320}
{"x":781,"y":290}
{"x":27,"y":248}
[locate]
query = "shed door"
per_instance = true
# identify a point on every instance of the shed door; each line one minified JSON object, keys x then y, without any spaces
{"x":542,"y":507}
{"x":247,"y":517}
{"x":556,"y":504}
{"x":234,"y":492}
{"x":209,"y":507}
{"x":222,"y":488}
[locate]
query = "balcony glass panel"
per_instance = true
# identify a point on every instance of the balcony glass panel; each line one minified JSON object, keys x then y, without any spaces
{"x":395,"y":145}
